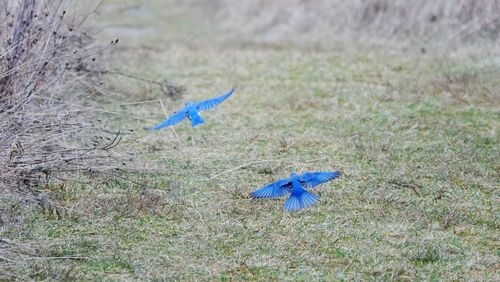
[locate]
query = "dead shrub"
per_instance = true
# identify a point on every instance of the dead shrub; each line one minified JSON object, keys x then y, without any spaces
{"x":48,"y":128}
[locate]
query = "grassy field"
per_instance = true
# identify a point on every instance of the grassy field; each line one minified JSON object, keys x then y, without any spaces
{"x":414,"y":135}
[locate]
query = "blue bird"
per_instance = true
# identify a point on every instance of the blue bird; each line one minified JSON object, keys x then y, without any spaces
{"x":296,"y":186}
{"x":191,"y":110}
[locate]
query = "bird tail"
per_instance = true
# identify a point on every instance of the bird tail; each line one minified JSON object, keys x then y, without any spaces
{"x":196,"y":120}
{"x":302,"y":199}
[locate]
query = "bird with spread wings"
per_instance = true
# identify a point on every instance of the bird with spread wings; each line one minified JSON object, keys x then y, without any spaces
{"x":296,"y":185}
{"x":191,"y":110}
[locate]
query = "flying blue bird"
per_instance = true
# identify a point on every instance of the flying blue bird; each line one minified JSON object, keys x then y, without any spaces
{"x":296,"y":186}
{"x":191,"y":110}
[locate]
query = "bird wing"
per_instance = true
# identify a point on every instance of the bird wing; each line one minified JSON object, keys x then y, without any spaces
{"x":273,"y":190}
{"x":210,"y":103}
{"x":173,"y":119}
{"x":313,"y":179}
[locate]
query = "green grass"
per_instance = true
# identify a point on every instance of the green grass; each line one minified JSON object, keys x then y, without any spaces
{"x":415,"y":137}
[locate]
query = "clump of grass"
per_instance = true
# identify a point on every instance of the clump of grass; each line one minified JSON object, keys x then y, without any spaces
{"x":469,"y":86}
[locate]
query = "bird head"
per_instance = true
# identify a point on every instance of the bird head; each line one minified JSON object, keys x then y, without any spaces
{"x":189,"y":104}
{"x":293,"y":175}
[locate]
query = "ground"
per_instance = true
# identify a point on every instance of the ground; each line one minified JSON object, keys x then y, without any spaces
{"x":414,"y":135}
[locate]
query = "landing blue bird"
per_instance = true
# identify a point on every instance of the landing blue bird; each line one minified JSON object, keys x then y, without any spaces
{"x":191,"y":110}
{"x":296,"y":185}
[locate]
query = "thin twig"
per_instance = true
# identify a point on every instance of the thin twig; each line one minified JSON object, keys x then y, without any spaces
{"x":261,"y":161}
{"x":413,"y":187}
{"x":171,"y":127}
{"x":67,"y":257}
{"x":6,"y":259}
{"x":240,"y":166}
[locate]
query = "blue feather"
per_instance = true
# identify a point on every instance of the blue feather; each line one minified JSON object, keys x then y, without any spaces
{"x":313,"y":179}
{"x":300,"y":198}
{"x":274,"y":190}
{"x":191,"y":111}
{"x":194,"y":117}
{"x":210,"y":103}
{"x":172,"y":120}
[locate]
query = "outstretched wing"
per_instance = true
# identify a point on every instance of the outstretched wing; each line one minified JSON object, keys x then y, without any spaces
{"x":274,"y":190}
{"x":210,"y":103}
{"x":173,"y":119}
{"x":313,"y":179}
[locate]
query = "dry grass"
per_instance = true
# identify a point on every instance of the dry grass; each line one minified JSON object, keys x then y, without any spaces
{"x":48,"y":127}
{"x":442,"y":24}
{"x":414,"y":135}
